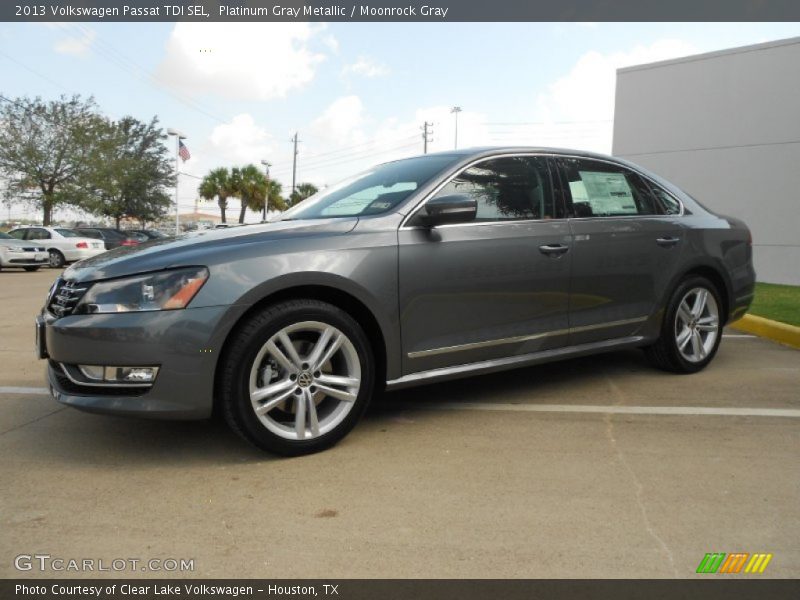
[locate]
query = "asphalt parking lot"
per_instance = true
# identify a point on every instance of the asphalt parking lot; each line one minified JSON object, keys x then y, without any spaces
{"x":596,"y":467}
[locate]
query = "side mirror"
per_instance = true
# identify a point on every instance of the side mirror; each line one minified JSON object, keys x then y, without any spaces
{"x":444,"y":210}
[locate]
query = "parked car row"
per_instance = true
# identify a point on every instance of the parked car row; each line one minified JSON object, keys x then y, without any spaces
{"x":32,"y":247}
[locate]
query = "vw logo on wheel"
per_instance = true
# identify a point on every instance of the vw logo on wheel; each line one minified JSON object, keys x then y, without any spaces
{"x":304,"y":379}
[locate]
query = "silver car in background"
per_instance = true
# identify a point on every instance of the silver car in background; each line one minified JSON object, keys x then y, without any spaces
{"x":419,"y":270}
{"x":21,"y":255}
{"x":63,"y":245}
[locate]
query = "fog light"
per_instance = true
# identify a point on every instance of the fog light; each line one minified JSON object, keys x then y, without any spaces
{"x":119,"y":374}
{"x":137,"y":374}
{"x":93,"y":372}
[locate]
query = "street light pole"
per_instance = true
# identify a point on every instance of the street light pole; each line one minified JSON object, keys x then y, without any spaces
{"x":267,"y":165}
{"x":455,"y":110}
{"x":178,"y":137}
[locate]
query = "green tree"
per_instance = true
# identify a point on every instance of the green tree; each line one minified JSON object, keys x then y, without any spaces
{"x":302,"y":191}
{"x":133,"y":173}
{"x":48,"y":149}
{"x":220,"y":185}
{"x":251,"y":187}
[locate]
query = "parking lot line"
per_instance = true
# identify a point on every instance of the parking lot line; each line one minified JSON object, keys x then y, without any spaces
{"x":34,"y":391}
{"x":619,"y":409}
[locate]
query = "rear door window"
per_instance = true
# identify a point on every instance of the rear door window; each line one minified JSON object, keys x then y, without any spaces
{"x":599,"y":189}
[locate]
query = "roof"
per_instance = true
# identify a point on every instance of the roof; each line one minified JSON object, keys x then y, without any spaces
{"x":712,"y":55}
{"x":480,"y":151}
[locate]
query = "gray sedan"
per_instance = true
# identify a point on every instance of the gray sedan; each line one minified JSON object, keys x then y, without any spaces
{"x":420,"y":270}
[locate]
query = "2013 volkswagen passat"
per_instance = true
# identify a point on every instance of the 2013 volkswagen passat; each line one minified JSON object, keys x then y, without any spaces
{"x":418,"y":270}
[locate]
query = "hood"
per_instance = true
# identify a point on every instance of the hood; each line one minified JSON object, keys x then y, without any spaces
{"x":193,"y":249}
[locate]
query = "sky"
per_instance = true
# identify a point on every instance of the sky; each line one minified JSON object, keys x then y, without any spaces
{"x":356,"y":93}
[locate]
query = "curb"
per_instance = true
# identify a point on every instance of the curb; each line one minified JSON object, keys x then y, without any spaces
{"x":773,"y":330}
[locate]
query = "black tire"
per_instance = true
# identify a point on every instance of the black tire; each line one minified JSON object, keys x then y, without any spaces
{"x":665,"y":354}
{"x":31,"y":269}
{"x":57,"y":259}
{"x":242,"y":350}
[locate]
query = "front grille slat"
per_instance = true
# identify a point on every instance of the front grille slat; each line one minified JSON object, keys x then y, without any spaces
{"x":65,"y":297}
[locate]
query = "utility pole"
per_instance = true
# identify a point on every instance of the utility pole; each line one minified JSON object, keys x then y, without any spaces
{"x":266,"y":199}
{"x":294,"y":164}
{"x":427,"y":131}
{"x":455,"y":110}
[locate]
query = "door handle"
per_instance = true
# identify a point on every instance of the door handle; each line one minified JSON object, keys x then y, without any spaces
{"x":554,"y":250}
{"x":667,"y":242}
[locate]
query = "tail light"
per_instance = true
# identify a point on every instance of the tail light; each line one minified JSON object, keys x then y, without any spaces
{"x":129,"y":243}
{"x":81,"y":245}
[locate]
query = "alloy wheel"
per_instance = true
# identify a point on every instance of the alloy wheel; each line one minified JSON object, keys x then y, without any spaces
{"x":305,"y":380}
{"x":697,"y":324}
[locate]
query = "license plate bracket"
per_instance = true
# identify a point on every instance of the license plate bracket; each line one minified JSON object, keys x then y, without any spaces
{"x":41,"y":342}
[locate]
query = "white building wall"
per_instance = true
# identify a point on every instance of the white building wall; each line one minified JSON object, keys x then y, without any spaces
{"x":725,"y":127}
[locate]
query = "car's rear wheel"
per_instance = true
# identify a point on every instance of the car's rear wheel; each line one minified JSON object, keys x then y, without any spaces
{"x":692,"y":328}
{"x":57,"y":259}
{"x":296,"y":377}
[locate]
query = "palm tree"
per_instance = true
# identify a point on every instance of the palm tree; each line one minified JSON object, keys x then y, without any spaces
{"x":218,"y":183}
{"x":303,"y":191}
{"x":251,"y":188}
{"x":275,"y":201}
{"x":254,"y":190}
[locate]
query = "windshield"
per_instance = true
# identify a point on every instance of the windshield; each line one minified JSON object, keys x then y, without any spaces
{"x":372,"y":192}
{"x":67,"y":232}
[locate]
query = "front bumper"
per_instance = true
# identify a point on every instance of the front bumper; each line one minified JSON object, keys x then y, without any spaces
{"x":184,"y":344}
{"x":23,"y":259}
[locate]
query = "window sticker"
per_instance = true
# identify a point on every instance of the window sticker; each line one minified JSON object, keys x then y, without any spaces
{"x":606,"y":193}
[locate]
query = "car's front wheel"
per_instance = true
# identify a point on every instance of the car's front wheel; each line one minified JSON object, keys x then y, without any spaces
{"x":692,"y":328}
{"x":296,"y":377}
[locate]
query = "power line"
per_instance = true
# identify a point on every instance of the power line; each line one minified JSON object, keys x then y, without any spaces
{"x":346,"y":149}
{"x":35,"y":72}
{"x":127,"y":64}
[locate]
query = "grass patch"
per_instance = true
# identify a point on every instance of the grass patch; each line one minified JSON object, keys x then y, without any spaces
{"x":777,"y":302}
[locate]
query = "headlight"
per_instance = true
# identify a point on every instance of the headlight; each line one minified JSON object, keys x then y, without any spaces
{"x":165,"y":290}
{"x":12,"y":248}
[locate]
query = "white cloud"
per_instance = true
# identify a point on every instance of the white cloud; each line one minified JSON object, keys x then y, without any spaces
{"x":75,"y":45}
{"x":239,"y":141}
{"x":366,"y":67}
{"x":244,"y":61}
{"x":340,"y":124}
{"x":579,"y":107}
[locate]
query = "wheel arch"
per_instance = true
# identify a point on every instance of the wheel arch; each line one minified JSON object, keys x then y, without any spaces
{"x":324,"y":292}
{"x":715,"y":275}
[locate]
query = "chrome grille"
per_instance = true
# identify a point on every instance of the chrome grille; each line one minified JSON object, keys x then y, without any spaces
{"x":65,"y":297}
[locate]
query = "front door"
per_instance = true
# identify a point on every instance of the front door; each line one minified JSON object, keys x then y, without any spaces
{"x":494,"y":287}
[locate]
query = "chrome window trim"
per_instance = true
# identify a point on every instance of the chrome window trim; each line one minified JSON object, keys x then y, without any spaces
{"x":438,"y":188}
{"x":522,"y":338}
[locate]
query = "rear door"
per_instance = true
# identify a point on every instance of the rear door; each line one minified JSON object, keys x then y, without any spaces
{"x":625,"y":250}
{"x":494,"y":287}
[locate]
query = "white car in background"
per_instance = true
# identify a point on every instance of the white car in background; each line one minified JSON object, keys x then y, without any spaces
{"x":63,"y":245}
{"x":21,"y":255}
